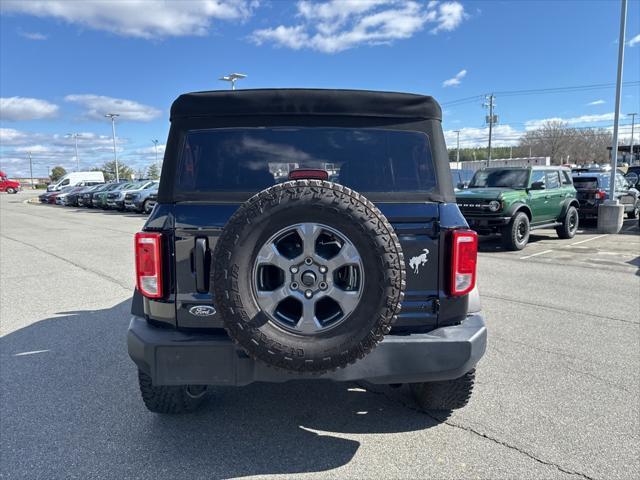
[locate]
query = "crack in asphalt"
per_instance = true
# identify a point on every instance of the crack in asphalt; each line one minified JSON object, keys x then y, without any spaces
{"x":66,"y":260}
{"x":558,"y":309}
{"x":497,"y":441}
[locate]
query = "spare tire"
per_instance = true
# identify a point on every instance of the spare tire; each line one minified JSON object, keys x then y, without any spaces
{"x":308,"y":276}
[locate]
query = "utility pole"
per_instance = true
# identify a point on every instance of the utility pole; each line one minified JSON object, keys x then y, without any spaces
{"x":458,"y":148}
{"x":491,"y":119}
{"x":510,"y":151}
{"x":113,"y":116}
{"x":633,"y":121}
{"x":155,"y":144}
{"x":31,"y":171}
{"x":529,"y":151}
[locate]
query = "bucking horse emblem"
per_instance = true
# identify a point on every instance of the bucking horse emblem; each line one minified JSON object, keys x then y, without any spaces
{"x":419,"y":261}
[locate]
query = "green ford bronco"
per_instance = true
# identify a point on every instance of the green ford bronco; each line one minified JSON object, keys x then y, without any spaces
{"x":513,"y":201}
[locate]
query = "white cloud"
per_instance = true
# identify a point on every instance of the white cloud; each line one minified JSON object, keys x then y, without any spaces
{"x":455,"y":81}
{"x":11,"y":136}
{"x":572,"y":121}
{"x":596,"y":102}
{"x":33,"y":35}
{"x":634,"y":41}
{"x":137,"y":18}
{"x":23,"y":108}
{"x":336,"y":25}
{"x":97,"y":105}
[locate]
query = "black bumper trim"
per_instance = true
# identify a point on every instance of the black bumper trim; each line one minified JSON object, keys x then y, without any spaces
{"x":172,"y":357}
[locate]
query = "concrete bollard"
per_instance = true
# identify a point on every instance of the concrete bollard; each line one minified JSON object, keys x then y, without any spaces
{"x":610,"y":216}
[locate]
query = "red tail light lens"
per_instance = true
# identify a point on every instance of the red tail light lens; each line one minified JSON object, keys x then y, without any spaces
{"x":601,"y":195}
{"x":308,"y":173}
{"x":464,"y":259}
{"x":148,"y":249}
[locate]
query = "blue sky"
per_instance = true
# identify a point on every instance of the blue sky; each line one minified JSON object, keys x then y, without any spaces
{"x":64,"y":64}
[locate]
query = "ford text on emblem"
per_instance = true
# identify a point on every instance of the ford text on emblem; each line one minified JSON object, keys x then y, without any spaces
{"x":202,"y":310}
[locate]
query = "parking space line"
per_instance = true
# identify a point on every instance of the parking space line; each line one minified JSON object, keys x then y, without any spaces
{"x":587,"y":240}
{"x":33,"y":352}
{"x":536,"y":254}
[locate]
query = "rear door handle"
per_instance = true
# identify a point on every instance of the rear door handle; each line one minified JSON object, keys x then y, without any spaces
{"x":201,"y":264}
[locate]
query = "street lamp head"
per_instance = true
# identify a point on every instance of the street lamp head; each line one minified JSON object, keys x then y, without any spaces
{"x":111,"y":115}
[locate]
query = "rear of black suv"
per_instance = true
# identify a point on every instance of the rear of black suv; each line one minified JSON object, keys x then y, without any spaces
{"x":254,"y":267}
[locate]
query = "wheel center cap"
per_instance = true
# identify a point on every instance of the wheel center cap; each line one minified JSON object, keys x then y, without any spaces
{"x":308,"y":278}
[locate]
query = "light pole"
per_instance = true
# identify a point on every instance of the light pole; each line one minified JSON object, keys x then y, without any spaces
{"x":155,"y":144}
{"x":610,"y":212}
{"x":75,"y":136}
{"x":633,"y":121}
{"x":458,"y":148}
{"x":31,"y":171}
{"x":233,"y":78}
{"x":113,"y":116}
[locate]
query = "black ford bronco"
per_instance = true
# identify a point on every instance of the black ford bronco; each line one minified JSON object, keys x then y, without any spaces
{"x":305,"y":234}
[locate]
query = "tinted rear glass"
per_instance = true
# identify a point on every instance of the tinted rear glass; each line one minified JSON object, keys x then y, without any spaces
{"x":510,"y":178}
{"x":251,"y":159}
{"x":591,"y":183}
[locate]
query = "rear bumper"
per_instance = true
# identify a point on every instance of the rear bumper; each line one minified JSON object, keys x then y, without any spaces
{"x":171,"y":357}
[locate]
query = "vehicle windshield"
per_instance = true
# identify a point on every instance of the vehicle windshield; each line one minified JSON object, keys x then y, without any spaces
{"x":251,"y":159}
{"x":504,"y":178}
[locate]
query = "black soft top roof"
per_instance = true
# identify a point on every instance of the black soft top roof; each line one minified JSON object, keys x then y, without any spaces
{"x":312,"y":102}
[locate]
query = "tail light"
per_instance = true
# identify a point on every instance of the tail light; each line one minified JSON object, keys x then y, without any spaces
{"x":148,"y":249}
{"x":464,"y":258}
{"x":601,"y":195}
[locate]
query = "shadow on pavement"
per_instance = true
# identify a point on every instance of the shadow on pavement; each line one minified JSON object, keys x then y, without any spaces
{"x":71,"y":408}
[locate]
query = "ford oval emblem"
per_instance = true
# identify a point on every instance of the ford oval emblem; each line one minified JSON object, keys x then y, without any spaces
{"x":202,"y":310}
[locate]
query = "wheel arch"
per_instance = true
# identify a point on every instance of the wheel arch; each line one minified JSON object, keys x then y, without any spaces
{"x":520,"y":207}
{"x":569,"y":202}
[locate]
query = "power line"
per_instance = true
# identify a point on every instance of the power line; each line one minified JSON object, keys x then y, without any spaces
{"x":538,"y":91}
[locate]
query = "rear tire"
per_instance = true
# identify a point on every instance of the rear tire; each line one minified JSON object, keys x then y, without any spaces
{"x":170,"y":399}
{"x":446,"y":395}
{"x":11,"y":190}
{"x":569,"y":224}
{"x":145,"y":207}
{"x":515,"y":236}
{"x":635,"y":213}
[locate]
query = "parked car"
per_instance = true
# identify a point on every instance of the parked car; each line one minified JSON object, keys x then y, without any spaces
{"x":74,"y":199}
{"x":151,"y":202}
{"x":53,"y":196}
{"x":44,"y":197}
{"x":74,"y":179}
{"x":513,"y":201}
{"x":86,"y":199}
{"x":9,"y":186}
{"x":243,"y":279}
{"x":63,"y":196}
{"x":99,"y":199}
{"x":138,"y":200}
{"x":594,"y":187}
{"x":116,"y":198}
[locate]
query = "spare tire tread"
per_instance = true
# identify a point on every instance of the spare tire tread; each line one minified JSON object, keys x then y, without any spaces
{"x":225,"y":280}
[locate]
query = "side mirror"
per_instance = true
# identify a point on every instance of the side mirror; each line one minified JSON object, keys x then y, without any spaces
{"x":537,"y":186}
{"x":462,"y":186}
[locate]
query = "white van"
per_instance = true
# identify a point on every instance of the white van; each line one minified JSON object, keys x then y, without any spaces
{"x":75,"y":178}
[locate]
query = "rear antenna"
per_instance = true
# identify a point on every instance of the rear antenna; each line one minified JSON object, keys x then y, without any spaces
{"x":233,"y":78}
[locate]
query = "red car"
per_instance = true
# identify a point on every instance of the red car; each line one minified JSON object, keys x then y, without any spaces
{"x":6,"y":185}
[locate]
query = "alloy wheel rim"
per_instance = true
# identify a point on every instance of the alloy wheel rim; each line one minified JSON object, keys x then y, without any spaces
{"x":308,"y":278}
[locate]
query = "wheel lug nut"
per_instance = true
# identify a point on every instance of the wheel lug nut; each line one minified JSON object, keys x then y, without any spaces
{"x":308,"y":261}
{"x":323,"y":286}
{"x":294,"y":286}
{"x":294,"y":269}
{"x":323,"y":269}
{"x":308,"y":294}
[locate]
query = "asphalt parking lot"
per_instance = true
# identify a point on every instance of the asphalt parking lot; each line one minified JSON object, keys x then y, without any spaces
{"x":556,"y":397}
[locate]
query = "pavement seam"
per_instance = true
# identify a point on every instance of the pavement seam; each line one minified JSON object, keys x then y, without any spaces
{"x":548,"y":260}
{"x":477,"y":433}
{"x":77,"y":265}
{"x":559,"y":309}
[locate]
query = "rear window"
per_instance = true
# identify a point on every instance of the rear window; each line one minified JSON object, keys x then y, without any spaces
{"x":591,"y":183}
{"x":251,"y":159}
